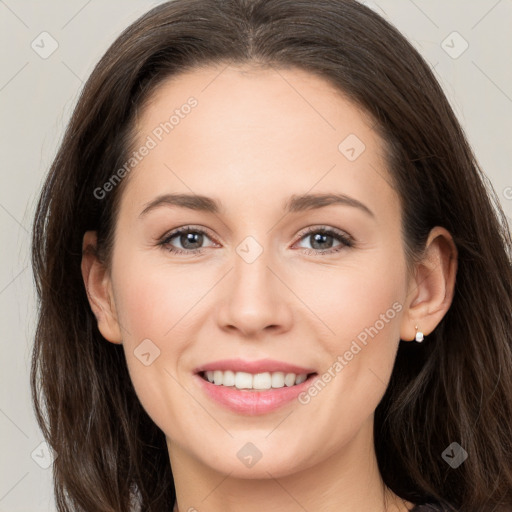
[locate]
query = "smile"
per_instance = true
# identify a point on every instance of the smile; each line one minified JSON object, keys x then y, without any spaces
{"x":253,"y":387}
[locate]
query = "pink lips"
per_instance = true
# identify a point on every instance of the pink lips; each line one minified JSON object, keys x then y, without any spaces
{"x":260,"y":366}
{"x":251,"y":402}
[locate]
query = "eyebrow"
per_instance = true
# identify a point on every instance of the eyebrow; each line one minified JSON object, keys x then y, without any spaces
{"x":296,"y":203}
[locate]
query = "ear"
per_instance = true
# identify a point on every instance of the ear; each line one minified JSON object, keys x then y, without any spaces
{"x":99,"y":289}
{"x":432,"y":288}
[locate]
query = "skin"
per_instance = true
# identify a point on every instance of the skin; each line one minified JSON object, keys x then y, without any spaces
{"x":256,"y":138}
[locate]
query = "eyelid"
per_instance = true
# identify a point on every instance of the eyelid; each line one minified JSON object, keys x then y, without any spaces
{"x":323,"y":227}
{"x":342,"y":235}
{"x":188,"y":227}
{"x":164,"y":241}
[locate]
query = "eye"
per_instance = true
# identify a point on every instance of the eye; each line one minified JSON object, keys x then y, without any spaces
{"x":323,"y":240}
{"x":189,"y":239}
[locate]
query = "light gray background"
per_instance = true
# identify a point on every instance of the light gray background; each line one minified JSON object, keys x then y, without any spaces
{"x":36,"y":99}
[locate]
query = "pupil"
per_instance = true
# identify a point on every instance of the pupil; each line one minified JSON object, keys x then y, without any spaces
{"x":320,"y":238}
{"x":192,"y":238}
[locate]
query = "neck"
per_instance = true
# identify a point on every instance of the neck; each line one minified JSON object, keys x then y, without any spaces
{"x":348,"y":480}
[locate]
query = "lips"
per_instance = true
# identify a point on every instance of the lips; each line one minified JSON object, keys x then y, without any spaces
{"x":254,"y":367}
{"x":253,"y":387}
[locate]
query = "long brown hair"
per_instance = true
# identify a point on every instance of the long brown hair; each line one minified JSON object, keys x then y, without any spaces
{"x":455,"y":387}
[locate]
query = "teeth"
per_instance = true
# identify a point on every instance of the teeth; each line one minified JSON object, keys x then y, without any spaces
{"x":289,"y":379}
{"x":277,"y":380}
{"x":242,"y":380}
{"x":301,"y":378}
{"x":228,"y":379}
{"x":261,"y":381}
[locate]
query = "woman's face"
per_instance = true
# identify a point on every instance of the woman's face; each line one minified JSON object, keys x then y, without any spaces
{"x":285,"y":281}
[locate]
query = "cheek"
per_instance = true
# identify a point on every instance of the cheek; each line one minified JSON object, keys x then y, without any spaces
{"x":154,"y":298}
{"x":152,"y":302}
{"x":157,"y":305}
{"x":363,"y":305}
{"x":361,"y":297}
{"x":359,"y":364}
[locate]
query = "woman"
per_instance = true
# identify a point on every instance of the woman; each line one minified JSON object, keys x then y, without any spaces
{"x":198,"y":348}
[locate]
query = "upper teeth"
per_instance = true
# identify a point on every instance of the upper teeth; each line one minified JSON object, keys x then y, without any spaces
{"x":243,"y":380}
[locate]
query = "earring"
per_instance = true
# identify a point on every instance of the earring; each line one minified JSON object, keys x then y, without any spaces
{"x":419,"y":335}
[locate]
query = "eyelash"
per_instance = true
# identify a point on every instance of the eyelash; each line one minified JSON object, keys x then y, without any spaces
{"x":346,"y":240}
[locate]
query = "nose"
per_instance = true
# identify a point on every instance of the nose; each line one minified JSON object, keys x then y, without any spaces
{"x":256,"y":302}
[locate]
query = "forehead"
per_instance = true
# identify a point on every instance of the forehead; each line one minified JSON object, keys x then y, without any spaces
{"x":255,"y":98}
{"x":252,"y":128}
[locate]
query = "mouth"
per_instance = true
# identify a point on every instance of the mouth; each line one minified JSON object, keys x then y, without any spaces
{"x":253,"y":387}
